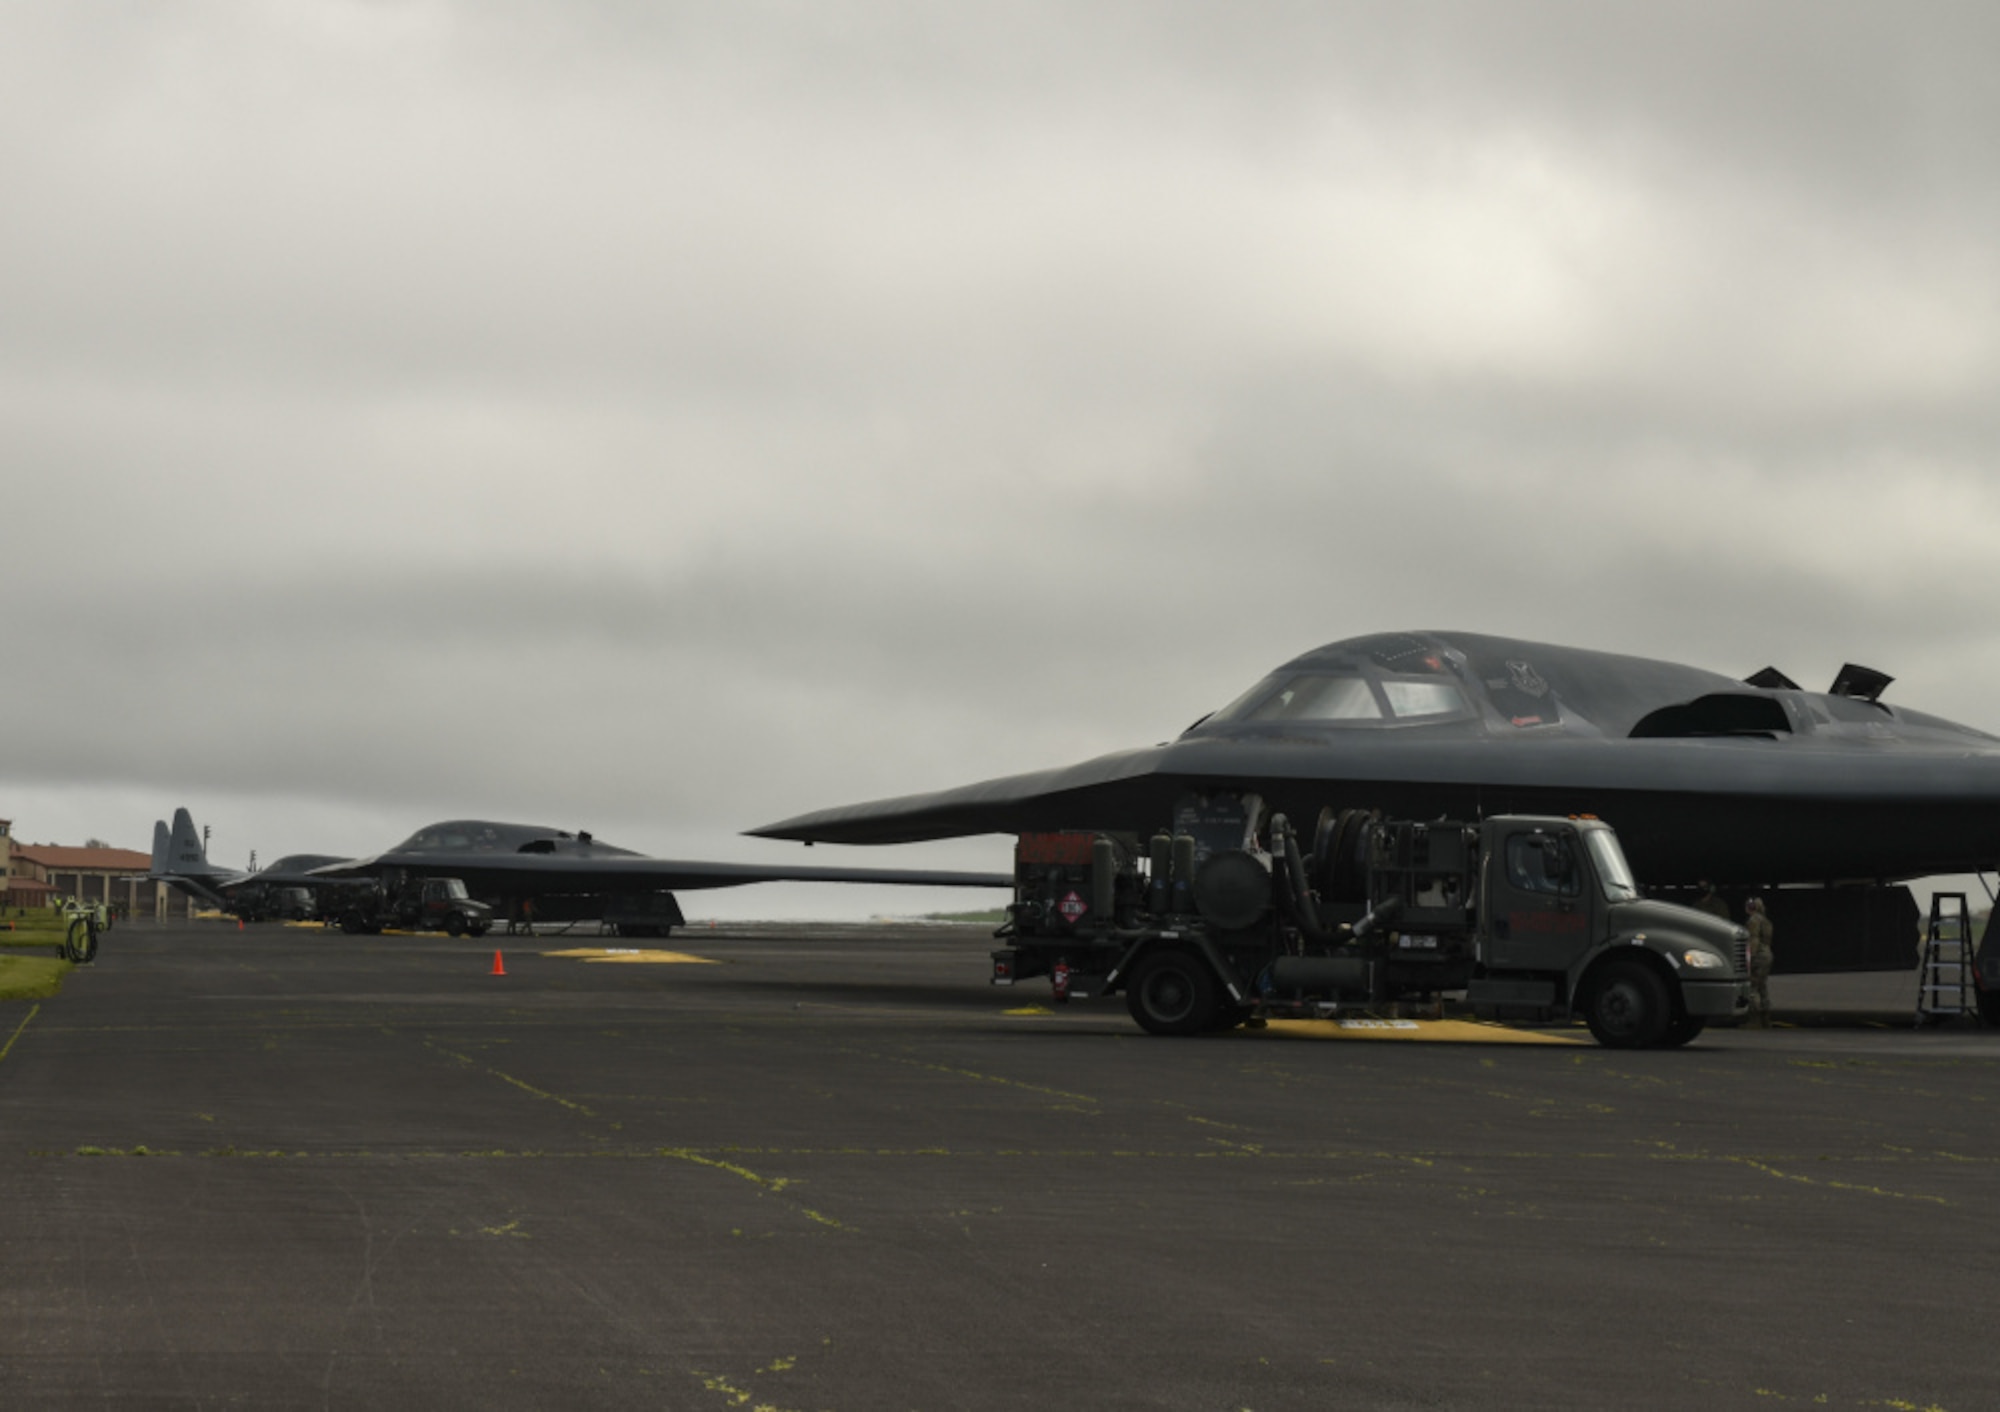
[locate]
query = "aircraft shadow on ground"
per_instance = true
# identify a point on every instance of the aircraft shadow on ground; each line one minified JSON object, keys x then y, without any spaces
{"x":970,"y":997}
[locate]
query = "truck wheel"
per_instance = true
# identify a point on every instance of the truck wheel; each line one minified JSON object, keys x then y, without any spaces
{"x":352,"y":925}
{"x":478,"y":928}
{"x":1628,"y":1007}
{"x":1173,"y":993}
{"x":454,"y":925}
{"x":1682,"y":1029}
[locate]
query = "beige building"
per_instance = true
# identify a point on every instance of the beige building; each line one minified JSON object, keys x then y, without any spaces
{"x":22,"y":883}
{"x":116,"y":876}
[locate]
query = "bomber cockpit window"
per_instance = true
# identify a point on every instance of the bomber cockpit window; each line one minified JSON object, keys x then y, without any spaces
{"x":1321,"y":698}
{"x":454,"y":836}
{"x":1424,"y":697}
{"x":1336,"y":696}
{"x":1305,"y":696}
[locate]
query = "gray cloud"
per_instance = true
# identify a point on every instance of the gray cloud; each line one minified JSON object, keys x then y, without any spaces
{"x":684,"y":416}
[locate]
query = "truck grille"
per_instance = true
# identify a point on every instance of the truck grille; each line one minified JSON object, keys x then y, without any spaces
{"x":1742,"y":952}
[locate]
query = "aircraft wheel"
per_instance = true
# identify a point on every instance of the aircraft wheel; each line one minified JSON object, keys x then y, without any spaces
{"x":352,"y":925}
{"x":1683,"y":1029}
{"x":454,"y":925}
{"x":1628,"y":1007}
{"x":1989,"y":1008}
{"x":1173,"y":993}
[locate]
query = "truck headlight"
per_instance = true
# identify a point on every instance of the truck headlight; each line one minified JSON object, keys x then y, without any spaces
{"x":1702,"y":960}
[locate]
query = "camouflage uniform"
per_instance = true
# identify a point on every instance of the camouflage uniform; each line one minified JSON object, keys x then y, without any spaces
{"x":1760,"y":961}
{"x":1713,"y":904}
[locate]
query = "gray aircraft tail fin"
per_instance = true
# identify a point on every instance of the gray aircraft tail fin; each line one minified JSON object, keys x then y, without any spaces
{"x":178,"y":857}
{"x":185,"y":855}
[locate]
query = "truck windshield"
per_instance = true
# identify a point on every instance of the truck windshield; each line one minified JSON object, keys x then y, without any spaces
{"x":454,"y":889}
{"x":1614,"y":874}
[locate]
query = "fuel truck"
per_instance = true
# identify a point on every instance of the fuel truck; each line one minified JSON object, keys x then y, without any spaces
{"x":418,"y":905}
{"x":1232,"y":916}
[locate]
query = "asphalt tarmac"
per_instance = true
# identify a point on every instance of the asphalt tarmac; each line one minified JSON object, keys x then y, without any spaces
{"x":832,"y":1168}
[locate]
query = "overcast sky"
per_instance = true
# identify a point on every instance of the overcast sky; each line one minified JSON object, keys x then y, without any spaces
{"x":663,"y":419}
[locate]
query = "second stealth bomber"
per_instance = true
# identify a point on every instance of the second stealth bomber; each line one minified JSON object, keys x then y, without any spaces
{"x":525,"y":872}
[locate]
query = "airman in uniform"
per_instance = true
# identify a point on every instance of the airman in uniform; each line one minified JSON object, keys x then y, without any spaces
{"x":1712,"y":902}
{"x":1760,"y":960}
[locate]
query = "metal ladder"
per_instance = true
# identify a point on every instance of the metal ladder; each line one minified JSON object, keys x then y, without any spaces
{"x":1946,"y":989}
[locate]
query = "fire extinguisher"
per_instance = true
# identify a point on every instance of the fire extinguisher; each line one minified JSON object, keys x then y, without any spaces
{"x":1059,"y":977}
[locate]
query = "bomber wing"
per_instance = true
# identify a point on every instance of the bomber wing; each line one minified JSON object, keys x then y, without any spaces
{"x":528,"y":860}
{"x":1702,"y":774}
{"x":529,"y":875}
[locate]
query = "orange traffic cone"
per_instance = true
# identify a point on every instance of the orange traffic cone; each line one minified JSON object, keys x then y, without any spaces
{"x":499,"y":966}
{"x":239,"y":924}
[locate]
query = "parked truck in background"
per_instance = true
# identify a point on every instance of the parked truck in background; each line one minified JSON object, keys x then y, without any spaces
{"x":1229,"y":916}
{"x":421,"y":904}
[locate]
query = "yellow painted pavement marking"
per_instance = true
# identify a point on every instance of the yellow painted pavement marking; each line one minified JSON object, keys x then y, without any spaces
{"x":1769,"y":1170}
{"x":505,"y":1077}
{"x":773,"y":1185}
{"x":1447,"y":1031}
{"x":632,"y":956}
{"x":731,"y":1160}
{"x":8,"y":1047}
{"x":984,"y":1078}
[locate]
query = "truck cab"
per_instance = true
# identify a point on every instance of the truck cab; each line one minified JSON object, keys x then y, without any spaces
{"x":443,"y":904}
{"x":420,"y":904}
{"x":1563,"y":926}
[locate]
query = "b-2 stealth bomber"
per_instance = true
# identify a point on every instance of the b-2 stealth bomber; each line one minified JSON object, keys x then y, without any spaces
{"x":525,"y":872}
{"x":530,"y":873}
{"x":1750,"y":783}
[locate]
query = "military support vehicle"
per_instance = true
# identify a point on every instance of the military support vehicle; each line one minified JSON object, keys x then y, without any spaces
{"x":420,"y":905}
{"x":1228,"y":918}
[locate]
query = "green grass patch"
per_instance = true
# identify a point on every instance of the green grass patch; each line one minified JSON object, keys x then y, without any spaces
{"x":31,"y":977}
{"x":35,"y":929}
